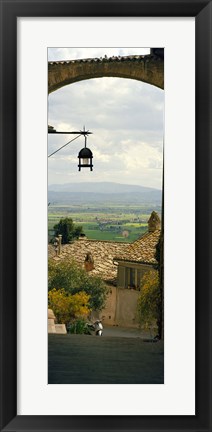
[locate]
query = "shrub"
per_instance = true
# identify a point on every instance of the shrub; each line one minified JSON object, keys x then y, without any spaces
{"x":67,"y":307}
{"x":78,"y":326}
{"x":149,"y":302}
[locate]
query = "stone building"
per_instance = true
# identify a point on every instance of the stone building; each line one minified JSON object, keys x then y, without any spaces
{"x":132,"y":263}
{"x":135,"y":260}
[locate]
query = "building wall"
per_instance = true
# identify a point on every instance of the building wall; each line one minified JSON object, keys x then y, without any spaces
{"x":121,"y":308}
{"x":126,"y":307}
{"x":108,"y":314}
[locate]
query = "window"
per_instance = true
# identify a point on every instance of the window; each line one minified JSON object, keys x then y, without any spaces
{"x":131,"y":278}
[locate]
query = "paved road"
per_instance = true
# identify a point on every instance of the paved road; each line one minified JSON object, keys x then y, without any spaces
{"x":117,"y":331}
{"x":80,"y":359}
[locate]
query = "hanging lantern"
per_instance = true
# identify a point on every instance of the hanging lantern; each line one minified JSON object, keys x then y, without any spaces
{"x":85,"y":158}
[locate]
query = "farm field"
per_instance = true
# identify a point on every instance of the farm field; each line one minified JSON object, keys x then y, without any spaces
{"x":111,"y":223}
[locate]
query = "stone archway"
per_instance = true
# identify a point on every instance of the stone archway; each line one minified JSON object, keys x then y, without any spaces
{"x":148,"y":68}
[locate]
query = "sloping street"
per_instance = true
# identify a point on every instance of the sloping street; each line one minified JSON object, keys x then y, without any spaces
{"x":81,"y":359}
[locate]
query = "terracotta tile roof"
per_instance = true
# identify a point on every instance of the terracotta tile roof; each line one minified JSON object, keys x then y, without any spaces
{"x":101,"y":251}
{"x":142,"y":250}
{"x":104,"y":253}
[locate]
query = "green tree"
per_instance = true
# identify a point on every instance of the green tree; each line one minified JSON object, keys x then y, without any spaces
{"x":74,"y":279}
{"x":149,"y":302}
{"x":68,"y":230}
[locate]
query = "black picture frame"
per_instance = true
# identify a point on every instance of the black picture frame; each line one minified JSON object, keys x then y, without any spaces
{"x":10,"y":11}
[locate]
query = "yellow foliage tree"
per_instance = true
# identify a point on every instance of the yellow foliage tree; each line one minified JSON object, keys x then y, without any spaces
{"x":67,"y":307}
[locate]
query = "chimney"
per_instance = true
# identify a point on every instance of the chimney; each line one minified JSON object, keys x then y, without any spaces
{"x":154,"y":222}
{"x":57,"y":244}
{"x":89,"y":262}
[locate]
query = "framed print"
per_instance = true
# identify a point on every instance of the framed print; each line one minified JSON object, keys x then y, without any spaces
{"x":42,"y":46}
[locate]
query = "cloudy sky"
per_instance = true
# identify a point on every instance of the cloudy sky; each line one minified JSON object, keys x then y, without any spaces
{"x":125,"y":116}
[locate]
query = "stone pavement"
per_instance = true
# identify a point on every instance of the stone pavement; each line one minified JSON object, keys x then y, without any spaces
{"x":81,"y":359}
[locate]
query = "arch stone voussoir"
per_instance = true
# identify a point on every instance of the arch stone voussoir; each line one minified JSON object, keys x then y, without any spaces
{"x":149,"y":69}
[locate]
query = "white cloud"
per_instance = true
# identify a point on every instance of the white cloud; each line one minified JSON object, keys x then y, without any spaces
{"x":100,"y":156}
{"x":139,"y":156}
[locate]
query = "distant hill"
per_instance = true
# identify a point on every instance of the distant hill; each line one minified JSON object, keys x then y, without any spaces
{"x":103,"y":192}
{"x":100,"y":187}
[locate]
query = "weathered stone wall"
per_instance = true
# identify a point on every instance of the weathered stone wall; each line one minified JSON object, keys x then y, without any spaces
{"x":121,"y":308}
{"x":149,"y":69}
{"x":109,"y":312}
{"x":126,"y":307}
{"x":52,"y":327}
